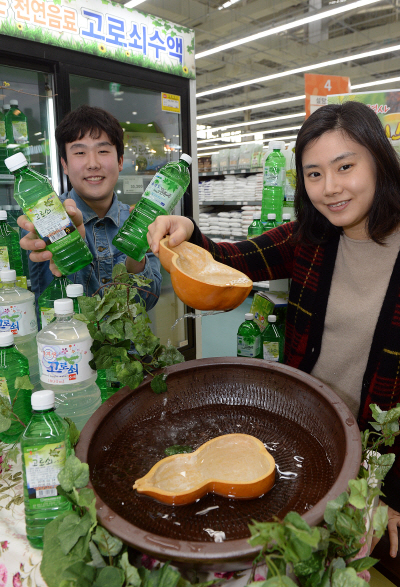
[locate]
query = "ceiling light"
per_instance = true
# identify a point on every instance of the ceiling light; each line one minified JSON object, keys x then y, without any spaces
{"x":284,"y":27}
{"x":250,"y":134}
{"x":247,"y":143}
{"x":253,"y":122}
{"x":376,"y":83}
{"x":251,"y":107}
{"x":226,"y":4}
{"x":311,"y":67}
{"x":133,"y":3}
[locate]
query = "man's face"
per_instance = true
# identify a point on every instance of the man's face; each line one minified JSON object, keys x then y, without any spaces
{"x":92,"y":167}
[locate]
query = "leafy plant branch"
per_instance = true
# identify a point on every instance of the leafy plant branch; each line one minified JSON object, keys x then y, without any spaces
{"x":7,"y":413}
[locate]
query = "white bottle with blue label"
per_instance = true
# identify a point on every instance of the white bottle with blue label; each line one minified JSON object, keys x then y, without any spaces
{"x":64,"y":354}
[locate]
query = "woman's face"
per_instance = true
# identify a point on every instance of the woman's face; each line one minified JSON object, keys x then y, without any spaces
{"x":340,"y":178}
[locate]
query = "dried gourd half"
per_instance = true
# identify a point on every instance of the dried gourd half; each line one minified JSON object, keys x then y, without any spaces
{"x":200,"y":281}
{"x":234,"y":465}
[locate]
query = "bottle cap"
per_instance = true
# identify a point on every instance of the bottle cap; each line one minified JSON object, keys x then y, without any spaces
{"x":281,"y":145}
{"x":3,"y":215}
{"x":285,"y":216}
{"x":274,"y":144}
{"x":249,"y":316}
{"x":6,"y":106}
{"x":13,"y":102}
{"x":257,"y":216}
{"x":6,"y":338}
{"x":74,"y":290}
{"x":7,"y":275}
{"x":271,"y":318}
{"x":16,"y":161}
{"x":186,"y":158}
{"x":271,"y":216}
{"x":64,"y":306}
{"x":42,"y":400}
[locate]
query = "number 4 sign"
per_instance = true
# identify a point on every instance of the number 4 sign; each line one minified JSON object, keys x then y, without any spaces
{"x":318,"y":87}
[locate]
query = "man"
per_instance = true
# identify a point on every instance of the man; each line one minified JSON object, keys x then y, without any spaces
{"x":90,"y":142}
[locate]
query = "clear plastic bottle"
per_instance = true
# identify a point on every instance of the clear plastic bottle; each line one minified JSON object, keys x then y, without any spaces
{"x":35,"y":194}
{"x":273,"y":182}
{"x":10,"y":251}
{"x":270,"y":222}
{"x":45,"y":447}
{"x":16,"y":130}
{"x":272,"y":341}
{"x":256,"y":227}
{"x":64,"y":355}
{"x":56,"y":290}
{"x":18,"y":315}
{"x":161,"y":196}
{"x":13,"y":364}
{"x":249,"y":338}
{"x":290,"y":178}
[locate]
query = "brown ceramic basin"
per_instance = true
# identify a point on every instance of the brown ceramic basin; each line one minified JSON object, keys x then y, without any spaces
{"x":308,"y":429}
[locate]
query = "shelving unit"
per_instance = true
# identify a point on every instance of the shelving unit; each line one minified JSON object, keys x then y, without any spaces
{"x":230,"y":172}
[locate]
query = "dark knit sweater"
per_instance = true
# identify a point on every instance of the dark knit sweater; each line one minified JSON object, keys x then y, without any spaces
{"x":274,"y":255}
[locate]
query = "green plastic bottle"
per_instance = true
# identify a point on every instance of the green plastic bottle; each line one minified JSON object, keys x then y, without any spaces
{"x":10,"y":251}
{"x":45,"y":447}
{"x":161,"y":196}
{"x":285,"y":218}
{"x":13,"y":364}
{"x":55,"y":291}
{"x":270,"y":222}
{"x":35,"y":194}
{"x":256,"y":227}
{"x":273,"y":182}
{"x":249,"y":338}
{"x":16,"y":130}
{"x":3,"y":143}
{"x":272,"y":341}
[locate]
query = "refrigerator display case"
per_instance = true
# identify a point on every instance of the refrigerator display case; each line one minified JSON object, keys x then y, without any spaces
{"x":155,"y":108}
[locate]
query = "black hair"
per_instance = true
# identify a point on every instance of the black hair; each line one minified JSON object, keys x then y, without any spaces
{"x":88,"y":119}
{"x":363,"y":126}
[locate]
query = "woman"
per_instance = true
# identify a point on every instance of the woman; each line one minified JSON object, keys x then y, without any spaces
{"x":342,"y":256}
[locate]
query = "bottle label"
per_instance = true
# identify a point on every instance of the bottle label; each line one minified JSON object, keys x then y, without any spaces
{"x":246,"y":349}
{"x":274,"y":177}
{"x":50,"y":219}
{"x":20,"y":132}
{"x":164,"y":192}
{"x":65,"y":364}
{"x":4,"y":388}
{"x":42,"y":466}
{"x":271,"y":351}
{"x":46,"y":316}
{"x":3,"y":137}
{"x":4,"y":259}
{"x":20,"y":318}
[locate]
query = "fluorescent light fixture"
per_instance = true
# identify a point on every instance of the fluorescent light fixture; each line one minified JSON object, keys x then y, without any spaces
{"x":284,"y":27}
{"x":311,"y":67}
{"x":133,"y":3}
{"x":376,"y":83}
{"x":249,"y":134}
{"x":227,"y":4}
{"x":251,"y":107}
{"x":246,"y":143}
{"x":254,"y":122}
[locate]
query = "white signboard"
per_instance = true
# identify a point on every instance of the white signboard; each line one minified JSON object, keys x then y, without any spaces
{"x":133,"y":185}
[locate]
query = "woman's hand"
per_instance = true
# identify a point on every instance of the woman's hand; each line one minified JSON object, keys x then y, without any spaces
{"x":31,"y":241}
{"x":179,"y":228}
{"x":393,"y":524}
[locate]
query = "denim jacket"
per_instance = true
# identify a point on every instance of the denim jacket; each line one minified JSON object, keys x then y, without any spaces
{"x":99,"y":235}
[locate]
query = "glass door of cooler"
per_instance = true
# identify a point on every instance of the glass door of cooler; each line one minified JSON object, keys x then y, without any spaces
{"x":152,"y":138}
{"x":27,"y":95}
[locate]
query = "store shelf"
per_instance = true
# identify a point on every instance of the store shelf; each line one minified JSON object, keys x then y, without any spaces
{"x":6,"y":179}
{"x":230,"y":172}
{"x":229,"y":203}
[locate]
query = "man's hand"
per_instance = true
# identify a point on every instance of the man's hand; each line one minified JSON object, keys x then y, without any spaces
{"x":393,"y":524}
{"x":133,"y":266}
{"x":31,"y":241}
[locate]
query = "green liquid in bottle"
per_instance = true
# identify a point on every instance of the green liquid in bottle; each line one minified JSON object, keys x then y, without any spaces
{"x":10,"y":251}
{"x":256,"y":227}
{"x":249,"y":338}
{"x":272,"y":341}
{"x":3,"y":144}
{"x":273,"y":184}
{"x":35,"y":194}
{"x":55,"y":291}
{"x":13,"y":364}
{"x":160,"y":198}
{"x":45,"y":446}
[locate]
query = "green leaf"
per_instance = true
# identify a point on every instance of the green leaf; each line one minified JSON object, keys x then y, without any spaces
{"x":177,"y":449}
{"x":314,"y":564}
{"x":5,"y":423}
{"x":130,"y":374}
{"x":358,"y":492}
{"x":380,"y":520}
{"x":108,"y":545}
{"x":73,"y":432}
{"x":163,"y":577}
{"x":109,"y":354}
{"x":71,"y":529}
{"x":118,"y":269}
{"x":23,"y":383}
{"x":110,"y":577}
{"x":275,"y":582}
{"x":333,"y":506}
{"x":145,"y":341}
{"x":74,"y":474}
{"x":158,"y":384}
{"x":88,"y":306}
{"x":363,"y":564}
{"x":5,"y":407}
{"x":392,"y":415}
{"x":377,"y":413}
{"x":347,"y":578}
{"x":131,"y":573}
{"x":79,"y":574}
{"x":97,"y":559}
{"x":348,"y":527}
{"x":169,"y":355}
